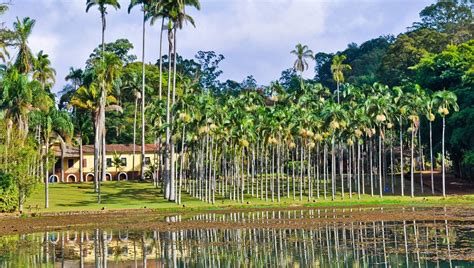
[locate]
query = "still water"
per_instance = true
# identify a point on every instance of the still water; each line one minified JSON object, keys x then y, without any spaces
{"x":290,"y":238}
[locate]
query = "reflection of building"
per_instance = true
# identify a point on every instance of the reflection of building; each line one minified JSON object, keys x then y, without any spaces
{"x":68,"y":170}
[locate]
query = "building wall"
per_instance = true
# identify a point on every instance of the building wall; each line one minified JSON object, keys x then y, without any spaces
{"x":88,"y":166}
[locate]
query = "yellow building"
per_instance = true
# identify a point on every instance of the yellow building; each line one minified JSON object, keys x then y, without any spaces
{"x":68,"y":170}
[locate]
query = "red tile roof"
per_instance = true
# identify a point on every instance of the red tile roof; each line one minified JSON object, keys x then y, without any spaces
{"x":121,"y":148}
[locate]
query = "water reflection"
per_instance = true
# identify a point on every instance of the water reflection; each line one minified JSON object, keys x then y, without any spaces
{"x":408,"y":243}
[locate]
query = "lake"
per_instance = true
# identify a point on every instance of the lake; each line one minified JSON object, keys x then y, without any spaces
{"x":363,"y":237}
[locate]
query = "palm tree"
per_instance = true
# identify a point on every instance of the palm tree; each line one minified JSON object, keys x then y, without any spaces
{"x":302,"y":53}
{"x":145,"y":8}
{"x":5,"y":36}
{"x":337,"y":69}
{"x":102,"y":6}
{"x":445,"y":100}
{"x":24,"y":59}
{"x":377,"y":107}
{"x":429,"y":103}
{"x":175,"y":11}
{"x":100,"y":129}
{"x":42,"y":70}
{"x":17,"y":100}
{"x":75,"y":76}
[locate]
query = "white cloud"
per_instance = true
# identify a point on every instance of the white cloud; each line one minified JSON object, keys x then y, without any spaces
{"x":255,"y":36}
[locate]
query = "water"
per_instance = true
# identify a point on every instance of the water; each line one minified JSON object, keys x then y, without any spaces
{"x":292,"y":238}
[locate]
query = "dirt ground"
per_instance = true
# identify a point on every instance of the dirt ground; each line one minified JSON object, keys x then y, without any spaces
{"x":454,"y":186}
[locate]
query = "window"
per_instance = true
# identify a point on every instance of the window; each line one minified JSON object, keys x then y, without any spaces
{"x":147,"y":160}
{"x":123,"y":162}
{"x":70,"y":163}
{"x":109,"y":162}
{"x":84,"y":162}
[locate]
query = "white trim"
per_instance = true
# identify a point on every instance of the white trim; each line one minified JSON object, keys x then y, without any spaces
{"x":50,"y":238}
{"x":110,"y":175}
{"x":75,"y":178}
{"x":123,"y":238}
{"x":108,"y":236}
{"x":52,"y":176}
{"x":69,"y":238}
{"x":122,"y":173}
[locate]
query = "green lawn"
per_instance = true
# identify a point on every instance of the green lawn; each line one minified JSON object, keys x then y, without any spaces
{"x":135,"y":195}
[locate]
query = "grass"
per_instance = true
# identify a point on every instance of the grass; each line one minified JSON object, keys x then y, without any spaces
{"x":135,"y":195}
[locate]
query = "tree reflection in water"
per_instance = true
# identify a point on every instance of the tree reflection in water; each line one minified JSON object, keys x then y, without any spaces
{"x":328,"y":242}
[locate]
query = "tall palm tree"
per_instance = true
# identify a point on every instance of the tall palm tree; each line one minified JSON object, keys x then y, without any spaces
{"x":145,"y":8}
{"x":445,"y":100}
{"x":99,"y":144}
{"x":102,"y":6}
{"x":176,"y":14}
{"x":337,"y":69}
{"x":42,"y":70}
{"x":24,"y":58}
{"x":302,"y":53}
{"x":378,"y":106}
{"x":429,"y":103}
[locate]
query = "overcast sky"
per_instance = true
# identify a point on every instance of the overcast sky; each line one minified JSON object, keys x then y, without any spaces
{"x":255,"y":36}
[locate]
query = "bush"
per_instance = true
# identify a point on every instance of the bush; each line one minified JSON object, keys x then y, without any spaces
{"x":8,"y":193}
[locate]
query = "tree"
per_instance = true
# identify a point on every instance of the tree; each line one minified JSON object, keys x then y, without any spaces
{"x":337,"y":69}
{"x":448,"y":16}
{"x":99,"y":145}
{"x":24,"y":59}
{"x":445,"y":100}
{"x":302,"y":53}
{"x":145,"y":7}
{"x":17,"y":96}
{"x":174,"y":10}
{"x":452,"y":70}
{"x":42,"y":70}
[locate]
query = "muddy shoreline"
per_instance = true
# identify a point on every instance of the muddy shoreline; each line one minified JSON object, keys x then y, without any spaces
{"x":148,"y":219}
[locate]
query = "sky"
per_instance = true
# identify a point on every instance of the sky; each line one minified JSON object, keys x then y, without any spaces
{"x":255,"y":36}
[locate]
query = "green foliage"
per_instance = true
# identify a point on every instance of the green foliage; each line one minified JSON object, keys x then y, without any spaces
{"x":8,"y":193}
{"x":453,"y":70}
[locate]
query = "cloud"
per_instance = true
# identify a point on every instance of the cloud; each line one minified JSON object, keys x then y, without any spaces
{"x":255,"y":36}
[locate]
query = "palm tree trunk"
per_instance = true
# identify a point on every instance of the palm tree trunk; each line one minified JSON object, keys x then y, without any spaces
{"x":168,"y":122}
{"x":341,"y":169}
{"x":371,"y":166}
{"x":173,"y":175}
{"x":391,"y":164}
{"x":380,"y":164}
{"x":81,"y":160}
{"x":46,"y":169}
{"x":420,"y":149}
{"x":333,"y":168}
{"x":318,"y":179}
{"x":142,"y":169}
{"x":358,"y":168}
{"x":134,"y":135}
{"x":412,"y":161}
{"x":182,"y":164}
{"x":325,"y":170}
{"x":431,"y":160}
{"x":402,"y":180}
{"x":97,"y":150}
{"x":442,"y":159}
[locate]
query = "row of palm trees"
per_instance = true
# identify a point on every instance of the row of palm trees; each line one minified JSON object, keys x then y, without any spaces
{"x":302,"y":144}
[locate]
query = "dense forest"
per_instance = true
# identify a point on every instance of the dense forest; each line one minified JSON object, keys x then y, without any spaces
{"x":343,"y":129}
